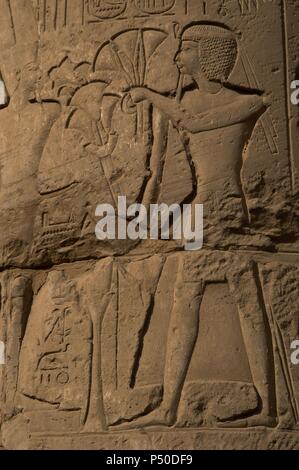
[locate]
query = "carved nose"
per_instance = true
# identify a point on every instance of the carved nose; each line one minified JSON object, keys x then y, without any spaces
{"x":177,"y":57}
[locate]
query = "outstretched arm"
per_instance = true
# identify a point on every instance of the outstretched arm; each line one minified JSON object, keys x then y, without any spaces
{"x":238,"y":111}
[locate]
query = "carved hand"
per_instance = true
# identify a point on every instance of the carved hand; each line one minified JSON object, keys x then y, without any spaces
{"x":104,"y":150}
{"x":112,"y":141}
{"x":109,"y":147}
{"x":139,"y":94}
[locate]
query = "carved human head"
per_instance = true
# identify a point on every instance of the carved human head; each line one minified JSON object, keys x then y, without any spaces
{"x":208,"y":49}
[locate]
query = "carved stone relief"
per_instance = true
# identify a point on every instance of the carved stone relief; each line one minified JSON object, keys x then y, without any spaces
{"x":163,"y":102}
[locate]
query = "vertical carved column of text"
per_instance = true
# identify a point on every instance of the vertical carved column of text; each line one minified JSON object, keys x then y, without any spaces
{"x":41,"y":5}
{"x":291,"y":35}
{"x":7,"y":29}
{"x":200,"y":8}
{"x":23,"y":21}
{"x":51,"y":7}
{"x":53,"y":14}
{"x":61,"y":14}
{"x":3,"y":278}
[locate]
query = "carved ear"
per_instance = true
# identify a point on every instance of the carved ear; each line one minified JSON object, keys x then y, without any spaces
{"x":177,"y":29}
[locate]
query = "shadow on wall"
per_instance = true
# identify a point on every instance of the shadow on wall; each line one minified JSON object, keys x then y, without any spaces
{"x":3,"y":95}
{"x":2,"y":353}
{"x":297,"y":78}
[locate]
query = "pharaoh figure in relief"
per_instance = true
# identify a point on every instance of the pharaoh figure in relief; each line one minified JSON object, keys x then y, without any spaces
{"x":216,"y":122}
{"x":211,"y":111}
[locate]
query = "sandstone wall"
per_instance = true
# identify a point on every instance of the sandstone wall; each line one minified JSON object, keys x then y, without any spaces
{"x":140,"y":344}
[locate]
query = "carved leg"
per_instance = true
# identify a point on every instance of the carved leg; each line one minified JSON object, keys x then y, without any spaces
{"x":182,"y":335}
{"x":183,"y":332}
{"x":257,"y":339}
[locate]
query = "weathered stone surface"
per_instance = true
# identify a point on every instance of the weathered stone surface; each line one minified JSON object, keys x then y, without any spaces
{"x":140,"y":344}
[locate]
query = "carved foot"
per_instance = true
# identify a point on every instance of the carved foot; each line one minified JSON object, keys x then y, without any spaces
{"x":158,"y":417}
{"x":254,"y":421}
